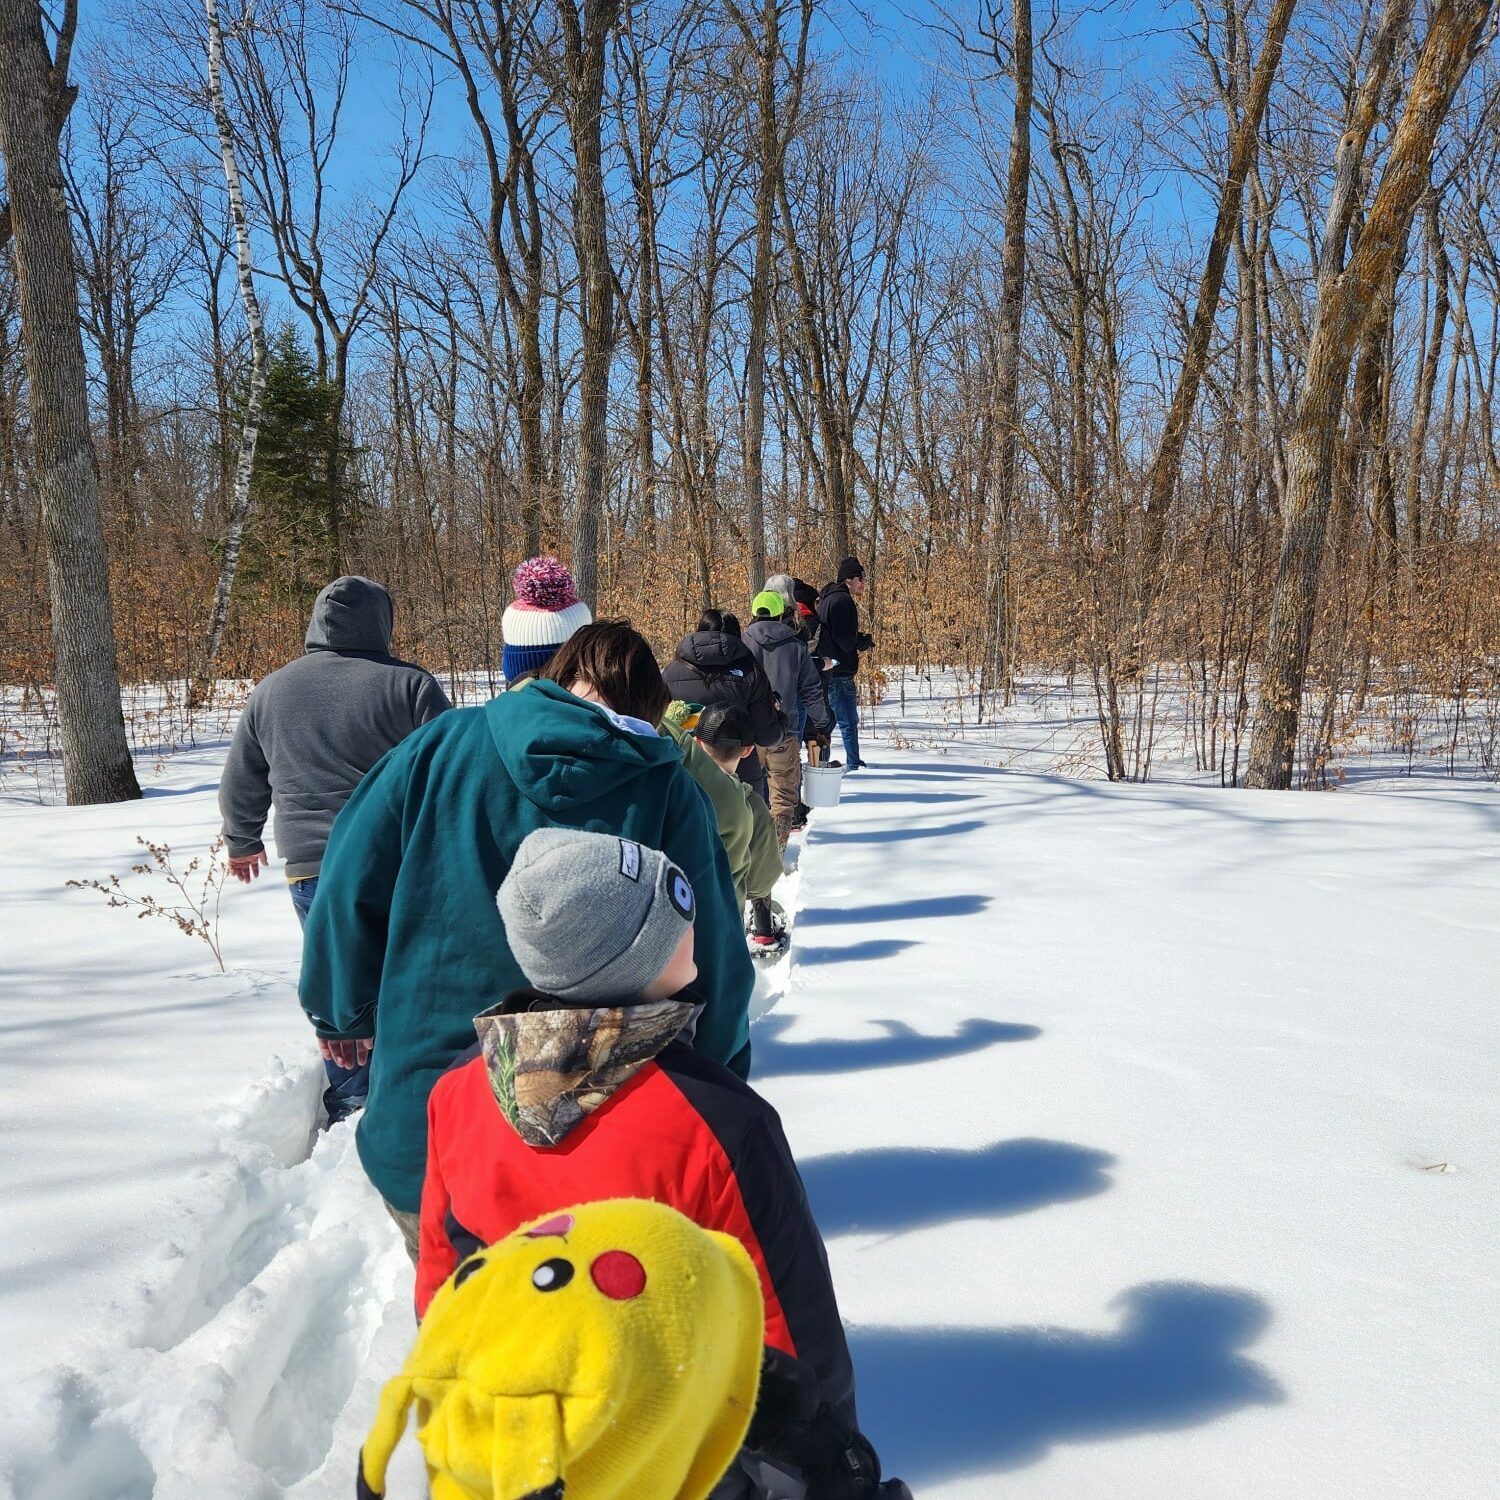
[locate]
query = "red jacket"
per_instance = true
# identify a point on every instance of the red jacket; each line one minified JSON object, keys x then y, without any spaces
{"x":680,"y":1129}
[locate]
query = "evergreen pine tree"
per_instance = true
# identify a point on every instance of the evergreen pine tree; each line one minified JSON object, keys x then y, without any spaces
{"x":289,"y":552}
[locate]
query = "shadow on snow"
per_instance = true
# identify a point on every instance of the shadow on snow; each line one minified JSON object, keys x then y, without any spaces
{"x":892,"y":1190}
{"x":901,"y":835}
{"x":854,"y":797}
{"x":895,"y":911}
{"x":941,"y":1403}
{"x":902,"y":1046}
{"x":870,"y":948}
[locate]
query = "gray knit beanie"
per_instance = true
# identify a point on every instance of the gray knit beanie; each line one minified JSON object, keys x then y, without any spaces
{"x":590,"y":916}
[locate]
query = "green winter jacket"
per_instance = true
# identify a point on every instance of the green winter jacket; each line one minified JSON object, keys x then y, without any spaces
{"x":404,"y":942}
{"x":746,"y":827}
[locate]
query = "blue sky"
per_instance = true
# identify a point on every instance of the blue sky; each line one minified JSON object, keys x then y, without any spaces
{"x":889,"y":40}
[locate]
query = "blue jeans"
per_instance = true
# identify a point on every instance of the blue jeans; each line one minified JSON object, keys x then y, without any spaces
{"x":347,"y":1087}
{"x":844,"y":706}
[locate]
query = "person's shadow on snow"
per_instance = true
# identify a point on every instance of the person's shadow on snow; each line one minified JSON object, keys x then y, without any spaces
{"x":901,"y":1046}
{"x":940,"y":1403}
{"x":888,"y":1191}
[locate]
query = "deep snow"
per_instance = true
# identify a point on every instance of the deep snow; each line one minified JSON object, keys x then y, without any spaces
{"x":1153,"y":1130}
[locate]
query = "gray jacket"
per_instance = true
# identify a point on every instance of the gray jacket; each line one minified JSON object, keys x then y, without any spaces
{"x":783,"y":656}
{"x":315,"y":726}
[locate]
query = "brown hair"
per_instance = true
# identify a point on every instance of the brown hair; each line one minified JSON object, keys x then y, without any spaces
{"x":615,"y":659}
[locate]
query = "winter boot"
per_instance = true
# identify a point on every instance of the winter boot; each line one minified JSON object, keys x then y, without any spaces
{"x":767,"y":934}
{"x":784,"y":829}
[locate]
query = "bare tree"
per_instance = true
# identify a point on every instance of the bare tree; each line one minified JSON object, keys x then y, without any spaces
{"x":34,"y":104}
{"x":290,"y":75}
{"x":128,"y":271}
{"x":239,"y":504}
{"x":585,"y":28}
{"x":1161,"y":482}
{"x":1017,"y":51}
{"x":778,"y":114}
{"x":1349,"y":295}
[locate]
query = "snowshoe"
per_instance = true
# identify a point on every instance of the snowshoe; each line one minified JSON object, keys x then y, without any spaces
{"x":768,"y":949}
{"x":766,"y":930}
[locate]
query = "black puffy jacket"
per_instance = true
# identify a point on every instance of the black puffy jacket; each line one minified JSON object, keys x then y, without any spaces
{"x":712,"y":667}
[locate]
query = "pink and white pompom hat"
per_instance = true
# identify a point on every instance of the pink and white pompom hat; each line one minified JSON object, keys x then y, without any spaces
{"x":545,"y":612}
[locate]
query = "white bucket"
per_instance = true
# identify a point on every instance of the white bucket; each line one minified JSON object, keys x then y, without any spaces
{"x":820,"y":785}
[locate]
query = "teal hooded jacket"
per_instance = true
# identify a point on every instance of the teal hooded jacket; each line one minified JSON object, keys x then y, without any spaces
{"x":404,"y":941}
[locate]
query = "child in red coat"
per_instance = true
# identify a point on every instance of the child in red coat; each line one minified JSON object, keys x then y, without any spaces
{"x":585,"y":1088}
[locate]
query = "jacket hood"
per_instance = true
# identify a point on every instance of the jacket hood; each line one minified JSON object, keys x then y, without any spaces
{"x":551,"y":1064}
{"x":351,"y":614}
{"x":562,"y":751}
{"x":769,"y":634}
{"x":715,"y":651}
{"x":834,"y":588}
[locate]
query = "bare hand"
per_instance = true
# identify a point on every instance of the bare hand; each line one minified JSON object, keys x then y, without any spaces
{"x":346,"y":1055}
{"x":248,"y":866}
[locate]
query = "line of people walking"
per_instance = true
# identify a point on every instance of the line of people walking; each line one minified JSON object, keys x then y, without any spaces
{"x":524,"y":943}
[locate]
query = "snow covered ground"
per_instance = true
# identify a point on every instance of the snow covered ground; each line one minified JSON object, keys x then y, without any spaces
{"x":1153,"y":1130}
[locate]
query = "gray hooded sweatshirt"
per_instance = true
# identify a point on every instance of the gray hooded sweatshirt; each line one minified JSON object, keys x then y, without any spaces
{"x":783,"y":655}
{"x":315,"y":726}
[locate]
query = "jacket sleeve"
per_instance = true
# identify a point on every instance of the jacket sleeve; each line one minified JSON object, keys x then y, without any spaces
{"x":795,"y":1262}
{"x":725,"y":973}
{"x":343,"y":946}
{"x":438,"y":1257}
{"x":431,"y":701}
{"x":245,"y":789}
{"x":810,"y":690}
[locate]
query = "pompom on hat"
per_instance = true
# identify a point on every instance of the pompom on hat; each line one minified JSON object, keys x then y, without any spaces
{"x":606,"y":1352}
{"x":545,"y":612}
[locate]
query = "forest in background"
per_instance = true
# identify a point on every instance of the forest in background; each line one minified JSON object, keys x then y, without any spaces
{"x":1136,"y":343}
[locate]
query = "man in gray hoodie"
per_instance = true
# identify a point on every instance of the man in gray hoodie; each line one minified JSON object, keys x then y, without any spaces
{"x":307,"y":736}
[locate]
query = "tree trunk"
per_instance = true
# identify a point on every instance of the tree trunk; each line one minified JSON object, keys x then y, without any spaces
{"x":585,"y":37}
{"x":1416,"y":452}
{"x":1008,"y":346}
{"x":34,"y":103}
{"x":834,"y":491}
{"x":768,"y":50}
{"x":1346,"y":299}
{"x":239,"y":504}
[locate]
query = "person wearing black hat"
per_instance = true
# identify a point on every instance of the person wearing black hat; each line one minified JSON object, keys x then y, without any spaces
{"x":840,"y":644}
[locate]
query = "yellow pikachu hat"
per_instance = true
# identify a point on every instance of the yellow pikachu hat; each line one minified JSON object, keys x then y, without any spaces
{"x":607,"y":1352}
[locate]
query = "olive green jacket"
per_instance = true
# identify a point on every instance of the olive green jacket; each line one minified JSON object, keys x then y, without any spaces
{"x":746,"y":828}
